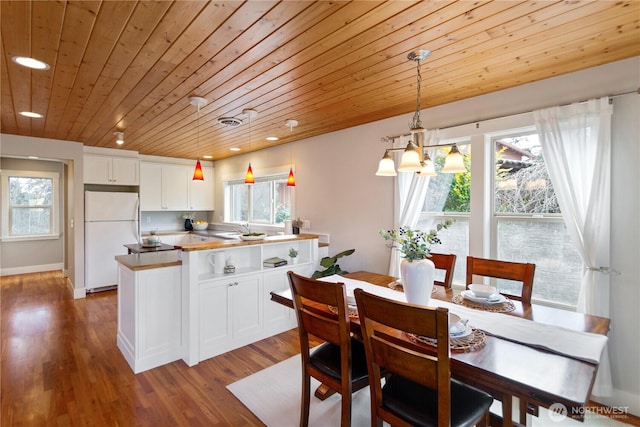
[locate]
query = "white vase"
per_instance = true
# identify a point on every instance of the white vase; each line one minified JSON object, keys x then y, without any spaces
{"x":417,"y":280}
{"x":294,"y":260}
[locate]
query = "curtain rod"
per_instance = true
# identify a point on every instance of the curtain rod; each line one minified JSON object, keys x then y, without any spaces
{"x":391,"y":138}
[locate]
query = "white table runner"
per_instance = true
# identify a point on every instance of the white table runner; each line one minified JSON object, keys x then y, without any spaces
{"x":577,"y":344}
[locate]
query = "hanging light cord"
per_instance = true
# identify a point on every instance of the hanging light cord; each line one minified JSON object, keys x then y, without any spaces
{"x":198,"y":132}
{"x":416,"y":123}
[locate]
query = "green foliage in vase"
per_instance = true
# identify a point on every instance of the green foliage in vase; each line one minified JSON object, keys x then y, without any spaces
{"x":415,"y":244}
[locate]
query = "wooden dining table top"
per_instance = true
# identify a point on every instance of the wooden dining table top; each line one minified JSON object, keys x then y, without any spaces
{"x":502,"y":366}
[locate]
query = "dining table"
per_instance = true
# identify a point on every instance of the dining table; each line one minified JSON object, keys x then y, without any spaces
{"x":508,"y":353}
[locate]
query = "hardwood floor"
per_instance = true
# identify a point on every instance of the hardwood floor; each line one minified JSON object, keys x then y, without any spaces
{"x":61,"y":366}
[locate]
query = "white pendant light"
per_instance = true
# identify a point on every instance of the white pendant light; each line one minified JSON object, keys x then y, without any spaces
{"x":386,"y":167}
{"x":410,"y":161}
{"x":428,"y":169}
{"x":454,"y":163}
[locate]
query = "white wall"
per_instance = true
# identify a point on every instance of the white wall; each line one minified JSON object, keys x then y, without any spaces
{"x":338,"y":191}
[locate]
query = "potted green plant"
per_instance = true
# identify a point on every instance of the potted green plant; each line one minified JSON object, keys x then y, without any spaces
{"x":331,"y":266}
{"x":293,"y":254}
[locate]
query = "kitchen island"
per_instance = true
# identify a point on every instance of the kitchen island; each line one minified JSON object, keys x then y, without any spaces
{"x":177,"y":305}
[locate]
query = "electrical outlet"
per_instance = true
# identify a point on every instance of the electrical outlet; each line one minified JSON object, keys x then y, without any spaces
{"x":306,"y":224}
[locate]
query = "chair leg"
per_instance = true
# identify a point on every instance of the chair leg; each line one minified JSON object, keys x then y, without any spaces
{"x":507,"y":413}
{"x":305,"y":400}
{"x":345,"y":418}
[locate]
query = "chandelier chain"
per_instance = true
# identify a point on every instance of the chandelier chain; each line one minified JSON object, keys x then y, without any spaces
{"x":416,"y":122}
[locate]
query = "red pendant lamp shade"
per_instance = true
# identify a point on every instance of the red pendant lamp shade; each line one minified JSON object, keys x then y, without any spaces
{"x":248,"y":179}
{"x":291,"y":181}
{"x":197,"y":173}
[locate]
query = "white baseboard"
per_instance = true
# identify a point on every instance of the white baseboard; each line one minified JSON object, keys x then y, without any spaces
{"x":77,"y":292}
{"x":30,"y":269}
{"x":621,"y":401}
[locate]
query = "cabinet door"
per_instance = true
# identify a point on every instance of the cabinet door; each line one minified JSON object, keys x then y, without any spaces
{"x":246,"y":307}
{"x":275,"y":314}
{"x":151,"y":187}
{"x":97,"y":169}
{"x":125,"y":171}
{"x":175,"y":190}
{"x":215,"y":319}
{"x":201,"y":192}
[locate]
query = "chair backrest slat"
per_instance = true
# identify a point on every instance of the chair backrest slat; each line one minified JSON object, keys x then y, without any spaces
{"x":517,"y":271}
{"x":446,"y":262}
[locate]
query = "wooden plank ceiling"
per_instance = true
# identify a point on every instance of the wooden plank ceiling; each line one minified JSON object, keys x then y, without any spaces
{"x":132,"y":65}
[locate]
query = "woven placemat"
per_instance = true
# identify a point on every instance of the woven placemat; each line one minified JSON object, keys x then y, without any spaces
{"x":397,"y":286}
{"x":352,"y":310}
{"x":503,"y":307}
{"x":472,"y":342}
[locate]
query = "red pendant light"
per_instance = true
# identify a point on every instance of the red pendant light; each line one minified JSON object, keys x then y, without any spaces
{"x":291,"y":181}
{"x":248,"y":179}
{"x":198,"y":102}
{"x":197,"y":173}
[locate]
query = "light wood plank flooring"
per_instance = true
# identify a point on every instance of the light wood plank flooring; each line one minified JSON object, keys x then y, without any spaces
{"x":61,"y":366}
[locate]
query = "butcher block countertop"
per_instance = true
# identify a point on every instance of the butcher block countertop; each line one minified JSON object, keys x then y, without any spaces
{"x":149,"y":260}
{"x":230,"y":243}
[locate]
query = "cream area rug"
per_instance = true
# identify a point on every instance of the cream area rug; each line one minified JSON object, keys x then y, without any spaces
{"x":273,"y":395}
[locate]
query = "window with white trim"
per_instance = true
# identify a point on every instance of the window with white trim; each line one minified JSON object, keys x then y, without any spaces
{"x":30,"y":205}
{"x":522,"y":217}
{"x":267,"y":202}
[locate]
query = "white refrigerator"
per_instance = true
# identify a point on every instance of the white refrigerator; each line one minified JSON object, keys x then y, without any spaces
{"x":111,"y":221}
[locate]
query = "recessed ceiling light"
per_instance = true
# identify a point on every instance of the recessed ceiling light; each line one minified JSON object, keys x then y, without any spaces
{"x":272,"y":138}
{"x":31,"y":114}
{"x":207,"y":157}
{"x":234,"y":149}
{"x":30,"y":63}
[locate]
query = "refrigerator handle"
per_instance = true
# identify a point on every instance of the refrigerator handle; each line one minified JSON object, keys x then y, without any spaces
{"x":139,"y":230}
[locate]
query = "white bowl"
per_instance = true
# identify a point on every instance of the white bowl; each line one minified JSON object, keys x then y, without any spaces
{"x":456,"y":325}
{"x":482,"y":291}
{"x":200,"y":227}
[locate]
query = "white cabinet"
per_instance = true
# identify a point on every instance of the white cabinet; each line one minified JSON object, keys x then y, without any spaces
{"x":277,"y":317}
{"x":170,"y":187}
{"x":226,"y":311}
{"x":230,"y":313}
{"x":201,"y":192}
{"x":163,"y":187}
{"x":111,"y":170}
{"x":149,"y":316}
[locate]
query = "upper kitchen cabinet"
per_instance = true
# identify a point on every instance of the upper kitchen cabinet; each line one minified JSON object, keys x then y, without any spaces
{"x":169,"y":187}
{"x":201,"y":192}
{"x":102,"y":167}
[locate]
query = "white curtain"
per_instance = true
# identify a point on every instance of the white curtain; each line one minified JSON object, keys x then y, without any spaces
{"x":411,"y":190}
{"x":576,"y":144}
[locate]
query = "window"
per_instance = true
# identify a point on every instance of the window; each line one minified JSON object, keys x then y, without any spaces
{"x":527,"y":222}
{"x":30,"y":205}
{"x":268,"y":201}
{"x":519,"y":218}
{"x":448,"y":197}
